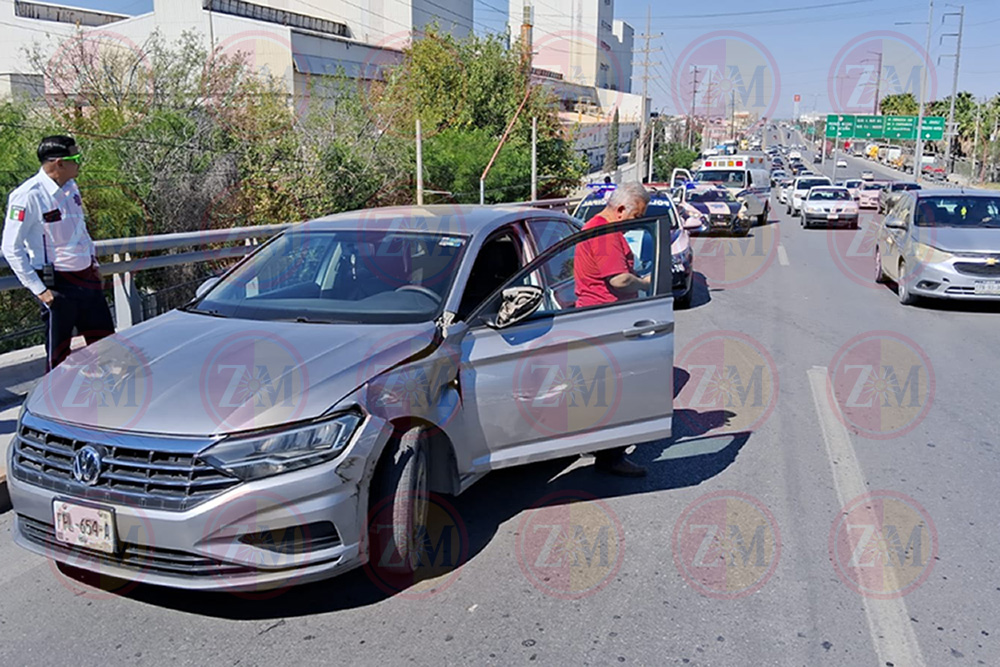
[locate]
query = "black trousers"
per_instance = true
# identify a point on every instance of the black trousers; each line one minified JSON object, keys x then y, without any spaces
{"x":609,"y":457}
{"x":79,"y":304}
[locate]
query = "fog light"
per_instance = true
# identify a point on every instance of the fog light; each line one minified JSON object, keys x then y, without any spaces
{"x":928,"y":285}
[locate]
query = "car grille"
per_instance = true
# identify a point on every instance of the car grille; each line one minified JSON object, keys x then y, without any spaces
{"x":977,"y":269}
{"x":719,"y":218}
{"x":130,"y":556}
{"x":129,"y":476}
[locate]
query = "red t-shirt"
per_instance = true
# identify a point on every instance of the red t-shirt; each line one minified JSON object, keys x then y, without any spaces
{"x":596,"y":261}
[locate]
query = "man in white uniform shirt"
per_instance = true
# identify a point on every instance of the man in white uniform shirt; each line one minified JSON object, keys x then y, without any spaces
{"x":46,"y":244}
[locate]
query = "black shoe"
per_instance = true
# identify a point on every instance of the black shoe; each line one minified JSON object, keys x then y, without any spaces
{"x":622,"y":468}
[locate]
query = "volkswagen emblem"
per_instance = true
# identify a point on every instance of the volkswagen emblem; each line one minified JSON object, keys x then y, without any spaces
{"x":87,"y":465}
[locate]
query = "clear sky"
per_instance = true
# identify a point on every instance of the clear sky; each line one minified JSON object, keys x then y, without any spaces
{"x":808,"y":43}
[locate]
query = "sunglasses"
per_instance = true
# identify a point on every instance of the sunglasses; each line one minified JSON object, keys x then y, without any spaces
{"x":78,"y":158}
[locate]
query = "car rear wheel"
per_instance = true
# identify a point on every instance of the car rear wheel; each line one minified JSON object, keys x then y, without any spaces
{"x":762,"y":218}
{"x":399,"y":499}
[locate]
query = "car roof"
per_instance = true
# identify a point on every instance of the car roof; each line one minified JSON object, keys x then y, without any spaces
{"x":439,"y":218}
{"x":953,"y":192}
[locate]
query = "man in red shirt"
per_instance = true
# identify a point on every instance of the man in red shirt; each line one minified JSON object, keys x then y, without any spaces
{"x":604,"y":272}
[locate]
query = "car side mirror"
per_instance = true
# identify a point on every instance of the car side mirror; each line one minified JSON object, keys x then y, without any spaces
{"x":205,"y":286}
{"x":692,"y":222}
{"x":518,"y":303}
{"x":894,"y":223}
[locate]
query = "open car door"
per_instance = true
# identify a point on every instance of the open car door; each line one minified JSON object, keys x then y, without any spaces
{"x":543,"y":378}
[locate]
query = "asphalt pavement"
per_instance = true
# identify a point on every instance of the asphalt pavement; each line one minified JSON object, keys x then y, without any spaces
{"x":828,"y":498}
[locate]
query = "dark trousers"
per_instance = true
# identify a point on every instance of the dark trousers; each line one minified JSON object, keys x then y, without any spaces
{"x":609,"y":457}
{"x":79,"y":304}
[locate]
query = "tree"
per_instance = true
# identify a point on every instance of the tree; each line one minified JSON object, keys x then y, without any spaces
{"x":902,"y":104}
{"x":611,"y":152}
{"x":671,"y":156}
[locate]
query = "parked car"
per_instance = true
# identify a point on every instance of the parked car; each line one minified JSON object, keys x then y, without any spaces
{"x":829,"y":206}
{"x":292,"y":421}
{"x":800,"y":187}
{"x":818,"y":158}
{"x":941,"y":243}
{"x":887,"y":197}
{"x":750,"y":186}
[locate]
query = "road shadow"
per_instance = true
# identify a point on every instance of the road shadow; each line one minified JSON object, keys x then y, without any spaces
{"x":949,"y":305}
{"x":693,"y":455}
{"x":700,"y":291}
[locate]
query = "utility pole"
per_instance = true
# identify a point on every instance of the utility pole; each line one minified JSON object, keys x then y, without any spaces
{"x":694,"y":96}
{"x":652,"y":148}
{"x":534,"y":158}
{"x":975,"y":142}
{"x":639,"y":157}
{"x":878,"y":80}
{"x":732,"y":114}
{"x":420,"y":167}
{"x":952,"y":131}
{"x":918,"y":152}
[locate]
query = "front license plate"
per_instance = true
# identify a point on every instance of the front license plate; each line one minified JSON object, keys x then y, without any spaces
{"x":84,"y":526}
{"x":831,"y":216}
{"x":989,"y":287}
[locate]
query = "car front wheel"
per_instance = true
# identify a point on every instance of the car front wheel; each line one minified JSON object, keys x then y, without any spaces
{"x":906,"y":297}
{"x":880,"y":276}
{"x":399,"y":502}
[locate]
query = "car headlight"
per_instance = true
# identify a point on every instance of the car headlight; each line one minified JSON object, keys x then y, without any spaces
{"x":929,"y":254}
{"x":274,"y":452}
{"x":813,"y":208}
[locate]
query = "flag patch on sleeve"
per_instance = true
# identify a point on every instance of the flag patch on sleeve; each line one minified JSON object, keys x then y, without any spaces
{"x":16,"y":213}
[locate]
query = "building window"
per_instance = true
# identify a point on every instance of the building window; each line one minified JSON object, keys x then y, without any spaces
{"x":279,"y":16}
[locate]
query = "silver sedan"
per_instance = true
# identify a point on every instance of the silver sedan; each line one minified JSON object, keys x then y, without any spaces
{"x":301,"y":416}
{"x":941,"y":244}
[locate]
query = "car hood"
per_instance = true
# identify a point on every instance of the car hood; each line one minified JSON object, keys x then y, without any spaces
{"x":184,"y":374}
{"x":716,"y":207}
{"x":960,"y":239}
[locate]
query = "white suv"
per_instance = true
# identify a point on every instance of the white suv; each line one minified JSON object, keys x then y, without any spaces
{"x":799,"y":189}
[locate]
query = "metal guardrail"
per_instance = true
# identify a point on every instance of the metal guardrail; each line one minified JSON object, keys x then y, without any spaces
{"x":127,"y":301}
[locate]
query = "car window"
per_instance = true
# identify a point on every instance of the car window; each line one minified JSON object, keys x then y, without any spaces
{"x":546,"y":233}
{"x":958,"y":211}
{"x":348,"y":275}
{"x":728,"y":177}
{"x":590,"y":272}
{"x":829,"y":195}
{"x":499,"y":258}
{"x":711,"y":195}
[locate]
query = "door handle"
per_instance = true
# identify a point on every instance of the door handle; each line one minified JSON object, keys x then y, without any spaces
{"x":647,"y":328}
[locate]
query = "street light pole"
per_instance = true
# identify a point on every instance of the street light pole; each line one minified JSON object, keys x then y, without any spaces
{"x":918,"y":153}
{"x":951,"y":129}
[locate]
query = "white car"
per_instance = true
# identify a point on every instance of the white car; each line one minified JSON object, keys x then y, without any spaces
{"x":867,"y":175}
{"x":841,"y":163}
{"x":829,"y":206}
{"x":800,"y":188}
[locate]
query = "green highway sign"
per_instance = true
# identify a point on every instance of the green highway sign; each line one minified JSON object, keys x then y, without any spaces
{"x":869,"y":127}
{"x":839,"y":126}
{"x":932,"y":128}
{"x":900,"y":127}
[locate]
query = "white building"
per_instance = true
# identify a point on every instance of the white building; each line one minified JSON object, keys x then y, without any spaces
{"x":294,"y":39}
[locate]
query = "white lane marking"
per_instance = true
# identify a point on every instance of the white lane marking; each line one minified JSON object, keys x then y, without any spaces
{"x":888,"y":620}
{"x":782,"y":255}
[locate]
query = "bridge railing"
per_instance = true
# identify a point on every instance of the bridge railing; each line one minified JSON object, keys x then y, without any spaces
{"x":125,"y":259}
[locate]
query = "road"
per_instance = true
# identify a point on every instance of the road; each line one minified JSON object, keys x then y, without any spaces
{"x":790,"y":462}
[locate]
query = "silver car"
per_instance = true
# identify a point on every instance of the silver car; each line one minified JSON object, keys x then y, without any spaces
{"x":941,"y":243}
{"x":303,"y":415}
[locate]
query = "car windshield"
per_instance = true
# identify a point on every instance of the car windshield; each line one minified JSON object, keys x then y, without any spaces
{"x":807,"y":183}
{"x":905,"y":186}
{"x":724,"y":176}
{"x":352,"y":276}
{"x":711,"y":195}
{"x":658,"y":206}
{"x":958,"y":211}
{"x":829,"y":195}
{"x":852,"y":184}
{"x":871,"y":186}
